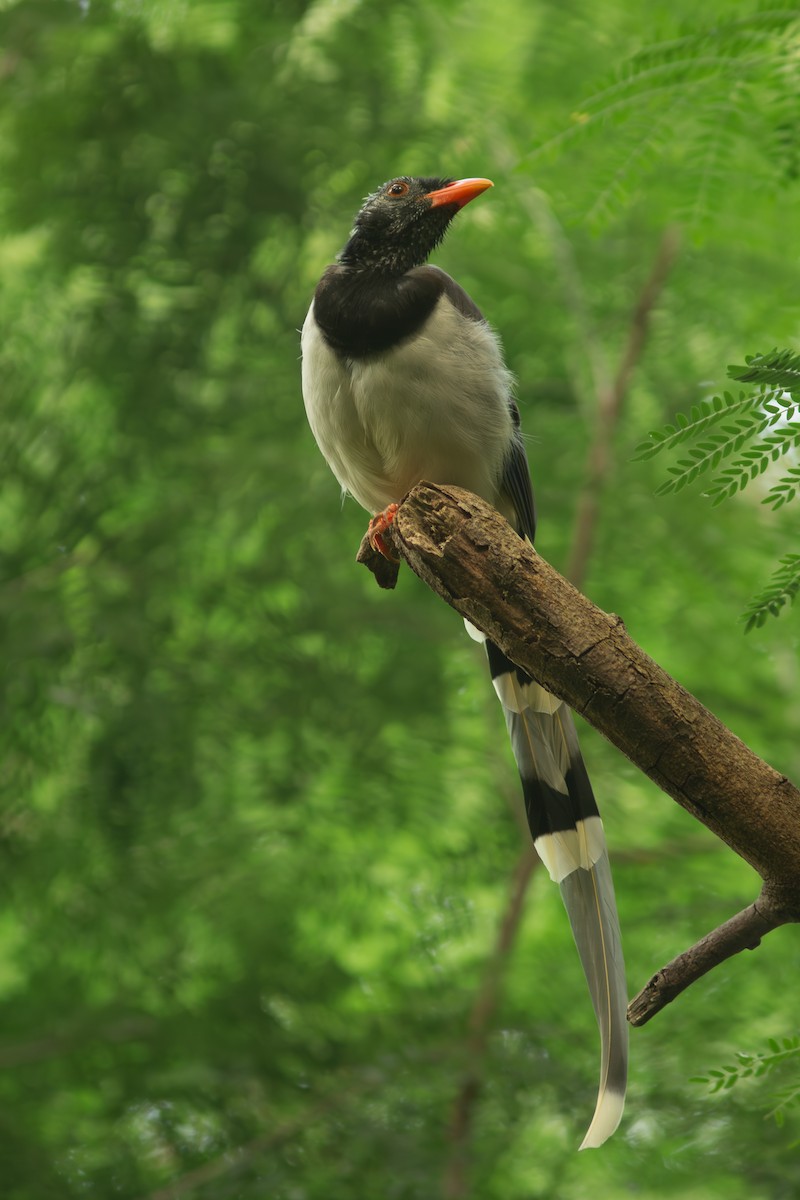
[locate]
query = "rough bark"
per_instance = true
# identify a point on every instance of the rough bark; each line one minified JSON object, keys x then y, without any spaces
{"x":471,"y":557}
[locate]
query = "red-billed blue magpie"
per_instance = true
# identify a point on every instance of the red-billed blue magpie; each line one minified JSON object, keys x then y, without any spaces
{"x":404,"y":380}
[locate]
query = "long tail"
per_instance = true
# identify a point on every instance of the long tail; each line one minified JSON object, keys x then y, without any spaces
{"x":568,"y":835}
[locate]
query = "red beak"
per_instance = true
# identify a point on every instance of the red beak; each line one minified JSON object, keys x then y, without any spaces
{"x":459,"y":193}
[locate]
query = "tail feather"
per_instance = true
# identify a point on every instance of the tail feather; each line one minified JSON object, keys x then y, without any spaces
{"x":568,"y":835}
{"x":589,"y":900}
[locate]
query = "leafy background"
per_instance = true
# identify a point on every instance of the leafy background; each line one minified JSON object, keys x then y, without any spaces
{"x":259,"y":821}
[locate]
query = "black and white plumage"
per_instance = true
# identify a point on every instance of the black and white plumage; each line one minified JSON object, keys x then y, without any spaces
{"x":404,"y":380}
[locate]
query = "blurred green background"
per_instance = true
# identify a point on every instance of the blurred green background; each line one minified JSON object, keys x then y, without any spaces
{"x":259,"y":821}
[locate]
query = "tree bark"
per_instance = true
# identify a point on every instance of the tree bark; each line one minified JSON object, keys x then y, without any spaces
{"x":472,"y":558}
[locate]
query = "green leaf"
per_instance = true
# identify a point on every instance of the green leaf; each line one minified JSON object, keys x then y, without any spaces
{"x":780,"y":591}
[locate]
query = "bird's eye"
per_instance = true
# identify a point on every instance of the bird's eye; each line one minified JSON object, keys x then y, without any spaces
{"x":397,"y":189}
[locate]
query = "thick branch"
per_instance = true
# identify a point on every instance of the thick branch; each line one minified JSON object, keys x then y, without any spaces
{"x":468,"y":554}
{"x":471,"y":557}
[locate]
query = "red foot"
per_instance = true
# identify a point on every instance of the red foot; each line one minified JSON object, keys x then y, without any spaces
{"x":377,"y":526}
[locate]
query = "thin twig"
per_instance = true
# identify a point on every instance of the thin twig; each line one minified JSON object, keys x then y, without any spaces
{"x":742,"y":932}
{"x":483,"y":1009}
{"x":539,"y":209}
{"x":240,"y":1157}
{"x":72,"y":1037}
{"x":609,"y":410}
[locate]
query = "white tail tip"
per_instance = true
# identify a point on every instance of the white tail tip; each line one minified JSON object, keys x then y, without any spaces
{"x":606,"y":1118}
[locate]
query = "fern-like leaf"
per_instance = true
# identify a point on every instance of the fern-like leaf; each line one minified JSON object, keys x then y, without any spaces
{"x":703,"y":415}
{"x":781,"y":368}
{"x":753,"y":462}
{"x":758,"y":428}
{"x":682,"y":63}
{"x":779,"y":1054}
{"x":698,"y":91}
{"x":781,"y":589}
{"x":784,"y":491}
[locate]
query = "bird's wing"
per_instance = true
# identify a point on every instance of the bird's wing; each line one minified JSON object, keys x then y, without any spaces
{"x":516,"y":481}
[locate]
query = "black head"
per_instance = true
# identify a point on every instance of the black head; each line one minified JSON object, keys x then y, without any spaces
{"x":400,"y":224}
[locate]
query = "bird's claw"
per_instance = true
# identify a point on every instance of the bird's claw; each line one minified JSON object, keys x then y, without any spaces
{"x":378,"y":526}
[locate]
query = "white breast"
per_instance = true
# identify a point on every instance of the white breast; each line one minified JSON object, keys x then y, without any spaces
{"x":434,"y":407}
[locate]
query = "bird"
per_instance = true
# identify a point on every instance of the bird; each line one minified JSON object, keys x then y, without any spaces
{"x":403,"y":379}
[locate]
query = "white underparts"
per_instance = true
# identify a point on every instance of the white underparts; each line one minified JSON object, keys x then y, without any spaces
{"x":434,"y":407}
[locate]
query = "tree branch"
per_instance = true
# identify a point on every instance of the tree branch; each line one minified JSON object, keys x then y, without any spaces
{"x":742,"y":932}
{"x":472,"y":558}
{"x":483,"y":1009}
{"x":609,"y":407}
{"x":240,"y":1158}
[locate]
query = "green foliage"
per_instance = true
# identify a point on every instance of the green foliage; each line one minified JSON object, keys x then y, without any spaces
{"x":727,"y":424}
{"x":781,"y":589}
{"x":772,"y":1061}
{"x":751,"y":417}
{"x":716,"y":96}
{"x":760,"y":427}
{"x":781,"y":369}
